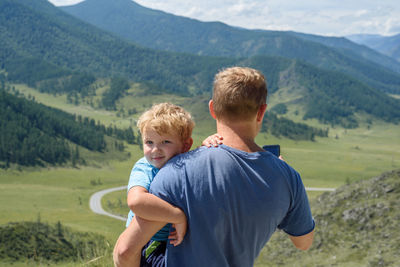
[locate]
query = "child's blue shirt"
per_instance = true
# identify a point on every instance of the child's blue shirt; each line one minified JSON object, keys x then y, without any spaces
{"x":142,"y":174}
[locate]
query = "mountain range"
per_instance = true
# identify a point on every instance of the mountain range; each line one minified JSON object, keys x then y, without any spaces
{"x":388,"y":45}
{"x":160,"y":30}
{"x":41,"y":43}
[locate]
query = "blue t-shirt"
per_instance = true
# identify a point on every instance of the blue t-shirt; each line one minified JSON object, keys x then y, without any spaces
{"x":142,"y":174}
{"x":234,"y":202}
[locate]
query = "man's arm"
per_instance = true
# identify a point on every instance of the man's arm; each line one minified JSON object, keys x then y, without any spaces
{"x":152,"y":208}
{"x":303,"y":242}
{"x":127,"y":250}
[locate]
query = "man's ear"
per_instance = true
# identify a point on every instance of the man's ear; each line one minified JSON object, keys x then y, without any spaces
{"x":261,"y":112}
{"x":211,"y":109}
{"x":187,"y":145}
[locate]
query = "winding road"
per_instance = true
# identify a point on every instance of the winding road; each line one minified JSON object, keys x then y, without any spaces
{"x":319,"y":189}
{"x":95,"y":200}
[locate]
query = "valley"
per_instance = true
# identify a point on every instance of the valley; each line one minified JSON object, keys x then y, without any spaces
{"x":333,"y":107}
{"x":62,"y":194}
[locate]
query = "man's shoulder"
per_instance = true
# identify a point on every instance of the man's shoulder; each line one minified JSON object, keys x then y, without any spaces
{"x":183,"y":158}
{"x":199,"y":154}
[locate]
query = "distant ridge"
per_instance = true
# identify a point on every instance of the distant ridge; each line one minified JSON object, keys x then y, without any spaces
{"x":356,"y":50}
{"x":388,"y":45}
{"x":160,"y":30}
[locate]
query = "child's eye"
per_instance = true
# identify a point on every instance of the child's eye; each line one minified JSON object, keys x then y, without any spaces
{"x":167,"y":142}
{"x":148,"y":142}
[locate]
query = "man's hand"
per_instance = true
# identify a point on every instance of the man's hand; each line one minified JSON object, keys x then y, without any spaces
{"x":176,"y":237}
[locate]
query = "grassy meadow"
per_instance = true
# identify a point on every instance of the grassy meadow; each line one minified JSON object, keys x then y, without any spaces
{"x":62,"y":193}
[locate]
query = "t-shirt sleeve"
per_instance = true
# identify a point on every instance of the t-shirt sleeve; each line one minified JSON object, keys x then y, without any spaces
{"x":298,"y":221}
{"x":141,"y":175}
{"x":167,"y":185}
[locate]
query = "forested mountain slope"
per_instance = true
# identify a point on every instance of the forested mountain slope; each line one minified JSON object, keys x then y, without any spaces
{"x":61,"y":40}
{"x":160,"y":30}
{"x":41,"y":46}
{"x":34,"y":134}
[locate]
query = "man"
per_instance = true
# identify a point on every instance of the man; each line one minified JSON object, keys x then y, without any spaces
{"x":236,"y":195}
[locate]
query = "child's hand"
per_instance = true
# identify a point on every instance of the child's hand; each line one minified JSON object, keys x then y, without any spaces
{"x":213,"y":140}
{"x":176,"y":237}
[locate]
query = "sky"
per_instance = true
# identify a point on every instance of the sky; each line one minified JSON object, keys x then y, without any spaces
{"x":321,"y":17}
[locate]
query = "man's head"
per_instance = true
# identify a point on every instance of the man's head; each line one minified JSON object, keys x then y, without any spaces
{"x":166,"y":131}
{"x":238,"y":93}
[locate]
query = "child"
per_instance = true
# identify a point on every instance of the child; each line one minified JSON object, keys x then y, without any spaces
{"x":166,"y":131}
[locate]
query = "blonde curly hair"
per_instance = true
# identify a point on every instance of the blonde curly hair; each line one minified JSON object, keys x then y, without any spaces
{"x":167,"y":118}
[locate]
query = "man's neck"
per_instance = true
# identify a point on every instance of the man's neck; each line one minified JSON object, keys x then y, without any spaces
{"x":239,"y":136}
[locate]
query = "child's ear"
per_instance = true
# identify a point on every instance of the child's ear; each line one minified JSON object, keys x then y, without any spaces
{"x":187,"y":145}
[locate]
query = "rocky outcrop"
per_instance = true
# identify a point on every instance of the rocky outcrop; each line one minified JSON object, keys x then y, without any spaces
{"x":356,"y":225}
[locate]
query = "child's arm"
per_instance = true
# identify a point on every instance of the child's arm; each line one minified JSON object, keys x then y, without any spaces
{"x":128,"y":248}
{"x":152,"y":208}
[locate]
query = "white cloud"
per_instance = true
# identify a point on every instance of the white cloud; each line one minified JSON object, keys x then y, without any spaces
{"x":323,"y":17}
{"x":361,"y":12}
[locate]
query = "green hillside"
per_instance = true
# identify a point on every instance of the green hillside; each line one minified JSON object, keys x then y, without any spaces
{"x":160,"y":30}
{"x":338,"y":98}
{"x":331,"y":97}
{"x":34,"y":134}
{"x":41,"y":32}
{"x":356,"y":225}
{"x":56,"y":53}
{"x":40,"y":242}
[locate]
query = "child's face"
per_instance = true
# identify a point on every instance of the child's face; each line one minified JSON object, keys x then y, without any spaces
{"x":158,"y":149}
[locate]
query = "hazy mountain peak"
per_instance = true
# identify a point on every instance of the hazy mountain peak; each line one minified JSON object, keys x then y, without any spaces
{"x":106,"y":5}
{"x":388,"y":45}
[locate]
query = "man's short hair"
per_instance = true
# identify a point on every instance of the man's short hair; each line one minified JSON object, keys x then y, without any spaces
{"x":167,"y":118}
{"x":238,"y":93}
